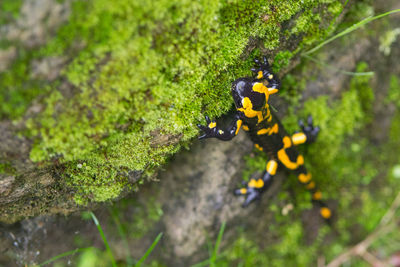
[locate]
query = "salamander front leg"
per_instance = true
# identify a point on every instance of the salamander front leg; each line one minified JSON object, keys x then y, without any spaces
{"x":309,"y":132}
{"x":255,"y":187}
{"x":211,"y":130}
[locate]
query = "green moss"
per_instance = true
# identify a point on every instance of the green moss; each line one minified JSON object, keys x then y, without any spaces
{"x":281,"y":60}
{"x":364,"y":91}
{"x":9,"y":10}
{"x":142,"y":81}
{"x":387,"y":40}
{"x":17,"y":88}
{"x":6,"y":168}
{"x":305,"y":22}
{"x":245,"y":252}
{"x":394,"y":92}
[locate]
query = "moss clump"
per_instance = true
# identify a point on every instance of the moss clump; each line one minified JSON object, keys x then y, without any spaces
{"x":282,"y":60}
{"x":146,"y":74}
{"x":6,"y":168}
{"x":9,"y":10}
{"x":17,"y":89}
{"x":364,"y":90}
{"x":245,"y":252}
{"x":394,"y":92}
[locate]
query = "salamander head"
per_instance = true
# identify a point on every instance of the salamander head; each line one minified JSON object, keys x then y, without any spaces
{"x":245,"y":91}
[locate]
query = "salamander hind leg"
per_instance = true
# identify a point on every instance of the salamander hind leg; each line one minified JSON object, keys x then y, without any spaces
{"x":309,"y":132}
{"x":255,"y":187}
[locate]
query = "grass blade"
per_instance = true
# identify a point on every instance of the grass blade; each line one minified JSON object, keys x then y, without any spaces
{"x":217,"y":244}
{"x":122,"y":234}
{"x":369,"y":73}
{"x":96,"y":222}
{"x":350,"y":29}
{"x":207,"y":261}
{"x":65,"y":254}
{"x":149,"y":250}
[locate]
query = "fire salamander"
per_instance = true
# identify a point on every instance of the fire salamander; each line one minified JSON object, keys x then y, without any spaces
{"x":254,"y":115}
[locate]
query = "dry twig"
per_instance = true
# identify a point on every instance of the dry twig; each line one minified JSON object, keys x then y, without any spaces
{"x":386,"y":225}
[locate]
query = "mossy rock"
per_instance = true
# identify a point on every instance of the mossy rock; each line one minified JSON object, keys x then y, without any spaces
{"x":121,"y":85}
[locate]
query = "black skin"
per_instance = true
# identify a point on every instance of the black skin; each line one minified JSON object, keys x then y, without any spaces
{"x":270,"y":143}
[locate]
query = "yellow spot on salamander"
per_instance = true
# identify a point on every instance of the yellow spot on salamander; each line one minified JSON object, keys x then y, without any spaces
{"x":212,"y":125}
{"x":274,"y":129}
{"x":248,"y":110}
{"x":300,"y":160}
{"x":238,"y":125}
{"x":317,"y":195}
{"x":284,"y":158}
{"x":304,"y":178}
{"x":299,"y":138}
{"x":221,"y":132}
{"x":243,"y":191}
{"x":325,"y":212}
{"x":270,"y":130}
{"x":263,"y":131}
{"x":286,"y":142}
{"x":245,"y":127}
{"x":256,"y":183}
{"x":272,"y":91}
{"x":260,"y":88}
{"x":260,"y":75}
{"x":258,"y":147}
{"x":270,"y":76}
{"x":311,"y":185}
{"x":272,"y":166}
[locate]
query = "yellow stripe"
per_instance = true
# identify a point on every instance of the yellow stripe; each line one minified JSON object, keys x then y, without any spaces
{"x":304,"y":178}
{"x":260,"y":88}
{"x":286,"y":142}
{"x":274,"y":129}
{"x":238,"y":124}
{"x":248,"y":110}
{"x":299,"y":138}
{"x":263,"y":131}
{"x":272,"y":91}
{"x":212,"y":125}
{"x":256,"y":184}
{"x":272,"y":166}
{"x":300,"y":160}
{"x":243,"y":191}
{"x":260,"y":75}
{"x":284,"y":158}
{"x":269,"y":131}
{"x":245,"y":127}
